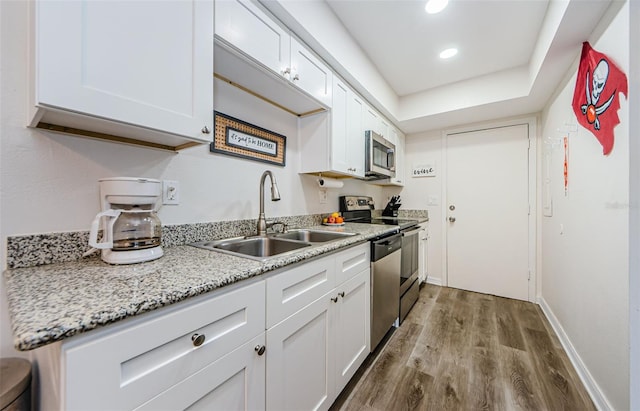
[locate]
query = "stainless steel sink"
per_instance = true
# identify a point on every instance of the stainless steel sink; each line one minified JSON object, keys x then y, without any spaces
{"x":257,"y":248}
{"x":313,"y":236}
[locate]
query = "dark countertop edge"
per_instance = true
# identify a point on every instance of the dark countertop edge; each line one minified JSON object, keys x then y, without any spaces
{"x":42,"y":336}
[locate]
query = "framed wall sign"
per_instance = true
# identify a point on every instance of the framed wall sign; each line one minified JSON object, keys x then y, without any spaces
{"x":238,"y":138}
{"x":424,"y":170}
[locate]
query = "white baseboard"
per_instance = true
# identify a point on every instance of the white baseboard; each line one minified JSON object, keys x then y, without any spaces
{"x":434,"y":281}
{"x":597,"y":396}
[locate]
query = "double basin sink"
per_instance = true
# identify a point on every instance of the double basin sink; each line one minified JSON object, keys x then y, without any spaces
{"x":260,"y":248}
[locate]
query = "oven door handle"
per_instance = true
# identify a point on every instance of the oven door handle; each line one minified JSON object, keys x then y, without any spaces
{"x":410,"y":232}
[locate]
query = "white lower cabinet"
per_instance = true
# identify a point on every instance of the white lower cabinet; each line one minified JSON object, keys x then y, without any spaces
{"x":126,"y":367}
{"x":313,"y":353}
{"x":212,"y":352}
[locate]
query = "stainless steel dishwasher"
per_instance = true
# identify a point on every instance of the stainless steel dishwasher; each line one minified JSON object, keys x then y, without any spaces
{"x":385,"y":285}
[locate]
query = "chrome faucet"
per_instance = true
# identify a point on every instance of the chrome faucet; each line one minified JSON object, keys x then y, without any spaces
{"x":275,"y":196}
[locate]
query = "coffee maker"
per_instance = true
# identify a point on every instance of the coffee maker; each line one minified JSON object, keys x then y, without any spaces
{"x":131,"y":229}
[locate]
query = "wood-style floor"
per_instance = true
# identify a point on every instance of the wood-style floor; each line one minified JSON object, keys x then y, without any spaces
{"x":460,"y":350}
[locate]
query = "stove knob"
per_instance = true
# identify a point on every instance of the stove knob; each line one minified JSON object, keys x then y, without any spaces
{"x":350,"y":203}
{"x":370,"y":202}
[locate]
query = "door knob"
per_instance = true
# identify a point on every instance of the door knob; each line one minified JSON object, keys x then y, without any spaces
{"x":452,"y":219}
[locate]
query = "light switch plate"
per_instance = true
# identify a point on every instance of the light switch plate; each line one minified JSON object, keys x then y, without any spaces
{"x":170,"y":192}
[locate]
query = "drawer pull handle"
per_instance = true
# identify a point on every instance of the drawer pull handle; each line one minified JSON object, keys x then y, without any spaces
{"x":197,"y":339}
{"x":341,"y":294}
{"x":260,"y":349}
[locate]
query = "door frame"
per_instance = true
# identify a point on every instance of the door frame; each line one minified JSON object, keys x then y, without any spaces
{"x":531,"y":122}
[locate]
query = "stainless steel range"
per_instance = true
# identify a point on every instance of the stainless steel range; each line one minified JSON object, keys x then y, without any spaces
{"x":394,"y":265}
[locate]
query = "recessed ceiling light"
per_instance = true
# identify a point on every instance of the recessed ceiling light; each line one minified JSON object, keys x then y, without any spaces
{"x":436,"y":6}
{"x":448,"y":53}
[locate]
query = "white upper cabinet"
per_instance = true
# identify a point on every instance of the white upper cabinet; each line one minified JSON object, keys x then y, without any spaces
{"x":310,"y":74}
{"x":333,"y":142}
{"x":243,"y":26}
{"x":140,"y":70}
{"x":249,"y":29}
{"x":347,"y":137}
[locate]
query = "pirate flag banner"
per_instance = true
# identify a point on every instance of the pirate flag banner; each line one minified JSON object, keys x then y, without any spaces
{"x":595,"y":99}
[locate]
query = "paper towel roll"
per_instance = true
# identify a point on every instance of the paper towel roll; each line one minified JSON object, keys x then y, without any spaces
{"x":325,"y":182}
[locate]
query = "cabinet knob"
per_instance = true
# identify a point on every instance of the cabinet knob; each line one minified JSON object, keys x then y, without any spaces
{"x":260,"y":349}
{"x":205,"y":130}
{"x":197,"y":339}
{"x":341,"y":294}
{"x":296,"y":77}
{"x":452,"y":219}
{"x":334,"y":299}
{"x":286,"y":71}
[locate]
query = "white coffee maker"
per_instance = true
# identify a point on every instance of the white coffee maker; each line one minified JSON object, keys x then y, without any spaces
{"x":131,"y":229}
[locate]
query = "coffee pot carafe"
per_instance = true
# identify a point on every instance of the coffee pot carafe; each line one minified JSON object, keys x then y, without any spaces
{"x":131,"y":229}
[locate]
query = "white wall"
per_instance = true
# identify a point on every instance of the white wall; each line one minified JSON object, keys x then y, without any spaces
{"x":634,"y":183}
{"x":49,"y":182}
{"x":585,"y":246}
{"x":420,"y":149}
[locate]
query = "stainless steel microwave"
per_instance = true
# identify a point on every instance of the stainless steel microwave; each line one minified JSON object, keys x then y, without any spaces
{"x":380,"y":157}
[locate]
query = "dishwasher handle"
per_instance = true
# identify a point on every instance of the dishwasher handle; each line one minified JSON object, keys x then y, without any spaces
{"x":385,"y":246}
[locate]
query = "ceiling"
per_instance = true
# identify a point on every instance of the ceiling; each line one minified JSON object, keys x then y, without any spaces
{"x":512,"y":56}
{"x":404,"y":42}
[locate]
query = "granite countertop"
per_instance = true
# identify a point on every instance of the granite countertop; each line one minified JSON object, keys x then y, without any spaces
{"x":52,"y":302}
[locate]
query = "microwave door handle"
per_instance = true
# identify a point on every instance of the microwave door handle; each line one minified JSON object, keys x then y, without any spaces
{"x":392,"y":164}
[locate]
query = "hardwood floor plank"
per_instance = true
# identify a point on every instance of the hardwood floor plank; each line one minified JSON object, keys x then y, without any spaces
{"x":428,"y":350}
{"x":449,"y":389}
{"x":522,"y":391}
{"x":485,"y":386}
{"x":508,"y":328}
{"x":557,"y":382}
{"x":376,"y":390}
{"x":412,"y":389}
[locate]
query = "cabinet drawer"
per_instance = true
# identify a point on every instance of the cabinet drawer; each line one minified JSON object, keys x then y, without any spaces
{"x":294,"y":289}
{"x":234,"y":382}
{"x":124,"y":369}
{"x":352,"y":261}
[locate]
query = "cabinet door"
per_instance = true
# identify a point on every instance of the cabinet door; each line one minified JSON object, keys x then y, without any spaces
{"x":352,"y":327}
{"x":234,"y":382}
{"x":355,"y":134}
{"x":340,"y":150}
{"x":371,"y":119}
{"x":147,"y":64}
{"x":399,"y":178}
{"x":300,"y":370}
{"x":422,"y":261}
{"x":310,"y":74}
{"x":246,"y":27}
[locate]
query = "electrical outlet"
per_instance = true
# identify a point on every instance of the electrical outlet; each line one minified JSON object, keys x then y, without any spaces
{"x":323,"y":196}
{"x":170,"y":192}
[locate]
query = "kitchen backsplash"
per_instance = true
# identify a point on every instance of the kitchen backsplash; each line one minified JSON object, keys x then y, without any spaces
{"x":41,"y":249}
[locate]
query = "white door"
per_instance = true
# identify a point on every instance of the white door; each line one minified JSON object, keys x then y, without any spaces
{"x":488,"y":211}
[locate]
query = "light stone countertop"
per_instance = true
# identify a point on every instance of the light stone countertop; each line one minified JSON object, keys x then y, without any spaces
{"x":49,"y":303}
